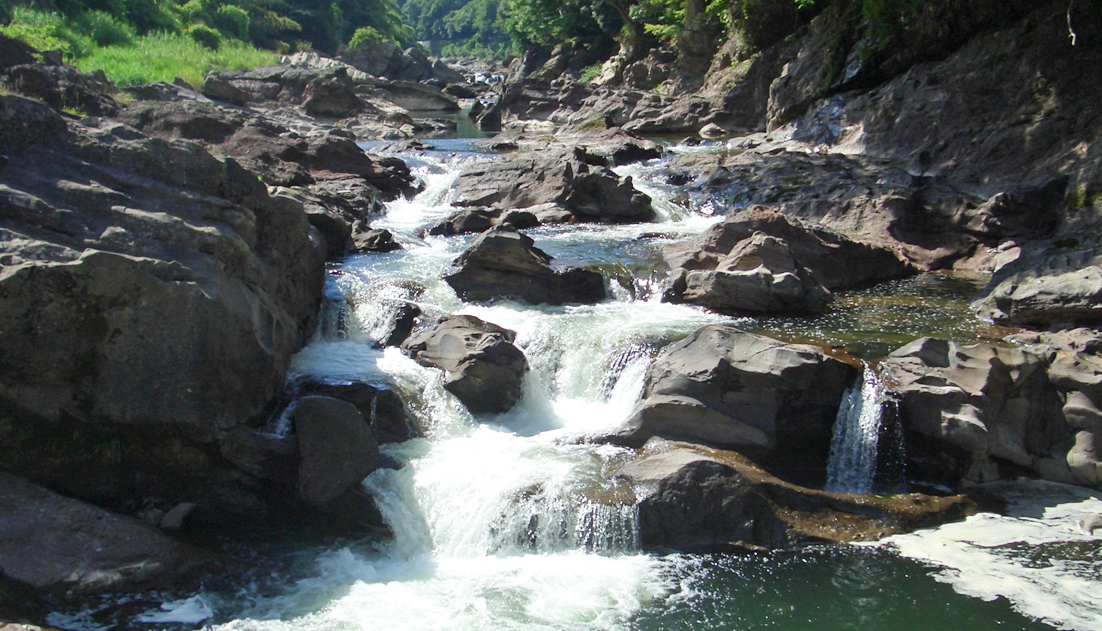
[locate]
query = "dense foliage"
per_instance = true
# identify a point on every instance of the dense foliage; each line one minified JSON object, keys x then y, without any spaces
{"x":280,"y":25}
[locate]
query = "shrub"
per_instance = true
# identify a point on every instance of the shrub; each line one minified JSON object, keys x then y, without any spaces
{"x":590,"y":73}
{"x":104,"y":29}
{"x":365,"y":35}
{"x":233,"y":21}
{"x":205,"y":36}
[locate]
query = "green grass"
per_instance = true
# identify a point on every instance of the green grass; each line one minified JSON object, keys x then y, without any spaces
{"x":163,"y":57}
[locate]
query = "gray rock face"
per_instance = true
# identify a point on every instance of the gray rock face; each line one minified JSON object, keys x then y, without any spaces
{"x":1052,"y":283}
{"x":697,"y":500}
{"x":759,"y":275}
{"x":982,"y":412}
{"x":723,"y":387}
{"x":150,"y":297}
{"x":484,"y":369}
{"x":759,"y":260}
{"x":58,"y":544}
{"x":502,"y":263}
{"x":590,"y":193}
{"x":336,"y":448}
{"x":382,"y":408}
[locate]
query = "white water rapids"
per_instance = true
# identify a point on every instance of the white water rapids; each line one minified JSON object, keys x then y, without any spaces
{"x":514,"y":521}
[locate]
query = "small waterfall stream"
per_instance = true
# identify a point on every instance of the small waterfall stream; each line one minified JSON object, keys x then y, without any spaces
{"x":855,"y":444}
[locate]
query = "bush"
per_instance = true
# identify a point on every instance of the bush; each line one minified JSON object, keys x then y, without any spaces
{"x":205,"y":36}
{"x":365,"y":35}
{"x":233,"y":21}
{"x":104,"y":29}
{"x":41,"y":30}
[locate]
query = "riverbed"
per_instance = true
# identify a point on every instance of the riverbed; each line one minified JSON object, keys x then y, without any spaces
{"x":512,"y":521}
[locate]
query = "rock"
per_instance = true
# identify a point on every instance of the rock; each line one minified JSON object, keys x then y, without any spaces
{"x":174,"y":518}
{"x":1055,"y":283}
{"x":336,"y":448}
{"x":375,"y":240}
{"x":700,"y":500}
{"x":759,"y":275}
{"x":58,"y":544}
{"x":591,"y":193}
{"x":381,"y":407}
{"x":979,"y":412}
{"x":404,"y":319}
{"x":503,"y":263}
{"x":484,"y":369}
{"x":760,"y":260}
{"x":877,"y":203}
{"x":723,"y":387}
{"x":331,"y":97}
{"x":711,"y":131}
{"x":218,"y":89}
{"x":123,"y":253}
{"x":417,"y":97}
{"x":63,"y":88}
{"x":466,"y":221}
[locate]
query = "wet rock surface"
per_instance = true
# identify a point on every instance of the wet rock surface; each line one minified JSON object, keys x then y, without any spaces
{"x":133,"y":253}
{"x":693,"y":499}
{"x":589,"y":192}
{"x":983,"y":412}
{"x":55,"y":544}
{"x":484,"y":369}
{"x":727,"y":388}
{"x":504,"y":263}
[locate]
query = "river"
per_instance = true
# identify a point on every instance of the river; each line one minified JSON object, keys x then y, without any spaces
{"x":511,"y":521}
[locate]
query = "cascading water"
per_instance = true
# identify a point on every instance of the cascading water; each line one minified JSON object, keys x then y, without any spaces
{"x":516,"y":521}
{"x":854,"y":445}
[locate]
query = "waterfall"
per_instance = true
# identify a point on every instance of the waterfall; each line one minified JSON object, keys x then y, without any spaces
{"x":854,"y":445}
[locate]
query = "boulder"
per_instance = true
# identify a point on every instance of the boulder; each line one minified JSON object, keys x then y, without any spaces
{"x":382,"y":408}
{"x":723,"y":387}
{"x":336,"y":448}
{"x":63,"y":88}
{"x":590,"y":193}
{"x":759,"y":275}
{"x":483,"y":368}
{"x":1053,"y":283}
{"x":331,"y":97}
{"x":699,"y":500}
{"x":375,"y":240}
{"x":151,"y":296}
{"x":981,"y":412}
{"x":760,"y":260}
{"x":219,"y":89}
{"x":417,"y":97}
{"x":504,"y":263}
{"x":57,"y":544}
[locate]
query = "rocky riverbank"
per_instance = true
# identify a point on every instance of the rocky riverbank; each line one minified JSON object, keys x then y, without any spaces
{"x":163,"y":256}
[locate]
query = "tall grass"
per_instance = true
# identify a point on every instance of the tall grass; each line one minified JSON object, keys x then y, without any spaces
{"x":163,"y":57}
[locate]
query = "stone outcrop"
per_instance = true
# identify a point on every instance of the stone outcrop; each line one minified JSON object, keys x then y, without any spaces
{"x":759,"y":260}
{"x":339,"y":185}
{"x":978,"y":413}
{"x":57,"y":544}
{"x":1057,"y":282}
{"x":504,"y":263}
{"x":720,"y":386}
{"x":336,"y":448}
{"x":588,"y":192}
{"x":693,"y":499}
{"x":382,"y":408}
{"x":484,"y":370}
{"x":151,"y":296}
